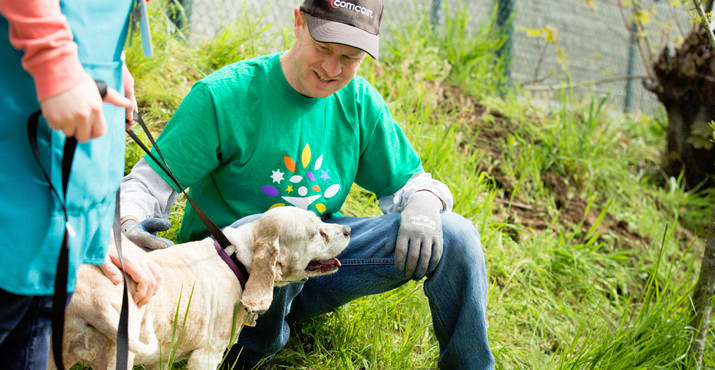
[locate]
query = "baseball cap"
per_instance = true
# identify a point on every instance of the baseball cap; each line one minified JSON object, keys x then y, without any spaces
{"x":353,"y":23}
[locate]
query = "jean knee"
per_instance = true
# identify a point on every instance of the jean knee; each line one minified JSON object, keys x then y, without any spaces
{"x":462,"y":259}
{"x":459,"y":231}
{"x":461,"y":239}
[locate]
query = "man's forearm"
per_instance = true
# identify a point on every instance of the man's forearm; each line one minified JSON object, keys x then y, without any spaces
{"x":419,"y":182}
{"x":145,"y":194}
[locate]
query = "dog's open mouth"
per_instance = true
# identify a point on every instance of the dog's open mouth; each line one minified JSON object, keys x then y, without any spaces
{"x":323,"y":265}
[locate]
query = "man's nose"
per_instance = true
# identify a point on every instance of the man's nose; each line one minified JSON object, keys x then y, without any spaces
{"x":332,"y":66}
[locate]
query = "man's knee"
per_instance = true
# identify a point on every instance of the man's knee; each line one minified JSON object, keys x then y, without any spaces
{"x":458,"y":230}
{"x":461,"y":239}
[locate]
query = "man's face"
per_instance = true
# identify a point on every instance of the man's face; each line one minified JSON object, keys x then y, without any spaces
{"x":320,"y":69}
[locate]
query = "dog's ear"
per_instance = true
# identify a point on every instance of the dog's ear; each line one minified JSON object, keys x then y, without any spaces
{"x":258,"y":295}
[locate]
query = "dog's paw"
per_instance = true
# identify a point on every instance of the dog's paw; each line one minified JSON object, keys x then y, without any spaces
{"x":257,"y":305}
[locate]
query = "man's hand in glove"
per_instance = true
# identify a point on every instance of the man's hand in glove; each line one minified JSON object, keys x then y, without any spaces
{"x":419,"y":240}
{"x":143,"y":233}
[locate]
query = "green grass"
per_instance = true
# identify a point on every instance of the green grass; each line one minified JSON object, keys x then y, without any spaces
{"x":567,"y":295}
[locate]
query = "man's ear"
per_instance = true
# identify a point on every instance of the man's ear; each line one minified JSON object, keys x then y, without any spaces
{"x":298,"y":21}
{"x":258,"y":295}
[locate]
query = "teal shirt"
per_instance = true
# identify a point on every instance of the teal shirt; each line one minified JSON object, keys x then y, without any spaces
{"x":31,"y":220}
{"x":244,"y":141}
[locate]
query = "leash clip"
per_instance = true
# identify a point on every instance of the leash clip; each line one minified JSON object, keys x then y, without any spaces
{"x":250,"y":319}
{"x":70,"y":230}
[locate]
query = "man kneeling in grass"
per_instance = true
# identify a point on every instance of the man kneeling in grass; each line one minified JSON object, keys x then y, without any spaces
{"x":299,"y":128}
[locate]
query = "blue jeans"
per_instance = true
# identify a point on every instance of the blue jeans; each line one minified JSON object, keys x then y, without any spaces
{"x":25,"y":323}
{"x":456,"y":288}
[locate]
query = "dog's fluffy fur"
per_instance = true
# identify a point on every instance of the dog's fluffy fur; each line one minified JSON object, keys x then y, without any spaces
{"x":276,"y":249}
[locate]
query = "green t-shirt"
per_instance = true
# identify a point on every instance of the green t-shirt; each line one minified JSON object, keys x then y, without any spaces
{"x":244,"y":141}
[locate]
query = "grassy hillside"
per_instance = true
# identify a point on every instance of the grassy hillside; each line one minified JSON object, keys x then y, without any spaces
{"x":591,"y":251}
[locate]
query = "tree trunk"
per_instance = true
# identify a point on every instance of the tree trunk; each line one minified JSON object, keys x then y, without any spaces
{"x":685,"y":84}
{"x":702,"y":297}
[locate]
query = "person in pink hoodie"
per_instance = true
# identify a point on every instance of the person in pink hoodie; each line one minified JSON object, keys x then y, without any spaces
{"x":51,"y":53}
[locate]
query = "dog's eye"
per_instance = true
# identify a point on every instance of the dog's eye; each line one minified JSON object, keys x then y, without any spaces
{"x":325,"y":236}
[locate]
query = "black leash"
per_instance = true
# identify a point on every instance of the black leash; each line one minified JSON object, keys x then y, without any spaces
{"x":212,"y":228}
{"x":59,"y":297}
{"x":123,"y":326}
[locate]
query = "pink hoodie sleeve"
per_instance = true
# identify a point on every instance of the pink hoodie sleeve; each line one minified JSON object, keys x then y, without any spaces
{"x":38,"y":28}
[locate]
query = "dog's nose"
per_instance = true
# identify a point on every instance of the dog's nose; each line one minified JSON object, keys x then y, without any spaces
{"x":346,"y":231}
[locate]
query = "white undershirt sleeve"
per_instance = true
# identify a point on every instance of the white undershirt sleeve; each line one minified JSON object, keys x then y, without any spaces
{"x":145,"y":194}
{"x":422,"y":181}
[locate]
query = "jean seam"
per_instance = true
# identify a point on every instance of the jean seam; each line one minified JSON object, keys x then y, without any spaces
{"x":34,"y":305}
{"x":365,"y":262}
{"x":435,"y":314}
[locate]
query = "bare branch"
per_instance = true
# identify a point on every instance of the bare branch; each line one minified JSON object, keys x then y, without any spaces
{"x":607,"y":24}
{"x":702,"y":295}
{"x":638,"y":37}
{"x":675,"y":19}
{"x":643,"y":41}
{"x":704,"y":21}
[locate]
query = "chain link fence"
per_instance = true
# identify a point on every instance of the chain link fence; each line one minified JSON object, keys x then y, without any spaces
{"x":590,"y":45}
{"x":594,"y":44}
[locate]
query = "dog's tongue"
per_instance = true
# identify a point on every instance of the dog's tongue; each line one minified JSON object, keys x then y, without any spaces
{"x":323,"y":264}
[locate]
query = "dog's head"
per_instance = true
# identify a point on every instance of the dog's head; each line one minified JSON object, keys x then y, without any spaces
{"x":288,"y":245}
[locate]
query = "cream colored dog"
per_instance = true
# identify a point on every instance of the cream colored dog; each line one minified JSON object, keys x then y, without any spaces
{"x":285,"y":244}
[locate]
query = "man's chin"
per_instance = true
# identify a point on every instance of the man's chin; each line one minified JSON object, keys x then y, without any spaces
{"x":321,"y":89}
{"x":322,"y":92}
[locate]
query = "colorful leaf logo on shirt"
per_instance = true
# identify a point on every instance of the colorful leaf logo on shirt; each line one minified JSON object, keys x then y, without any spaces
{"x":303,"y":181}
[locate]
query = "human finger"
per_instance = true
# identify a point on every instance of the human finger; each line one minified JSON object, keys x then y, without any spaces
{"x":155,"y":224}
{"x":152,"y":278}
{"x":97,"y":122}
{"x":69,"y":130}
{"x":153,"y":242}
{"x":134,"y":108}
{"x":111,"y":271}
{"x":400,"y":252}
{"x":54,"y":124}
{"x":83,"y":129}
{"x":156,"y":273}
{"x":426,"y":253}
{"x":141,"y":294}
{"x":97,"y":129}
{"x":136,"y":268}
{"x":437,"y":250}
{"x":113,"y":97}
{"x":413,"y":256}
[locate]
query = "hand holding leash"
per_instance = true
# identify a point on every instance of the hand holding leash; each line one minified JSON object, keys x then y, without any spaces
{"x":128,"y":82}
{"x":419,"y":239}
{"x":78,"y":111}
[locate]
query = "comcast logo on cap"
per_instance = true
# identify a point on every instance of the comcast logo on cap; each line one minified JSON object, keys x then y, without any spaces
{"x":350,"y":6}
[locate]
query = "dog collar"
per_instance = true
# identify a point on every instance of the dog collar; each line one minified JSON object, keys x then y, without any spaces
{"x":234,"y":264}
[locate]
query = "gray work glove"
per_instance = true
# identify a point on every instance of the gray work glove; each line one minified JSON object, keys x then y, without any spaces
{"x":419,"y":239}
{"x":143,"y":233}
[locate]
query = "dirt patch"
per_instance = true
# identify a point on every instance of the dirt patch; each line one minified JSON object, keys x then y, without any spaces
{"x":487,"y":130}
{"x":483,"y":127}
{"x":574,"y":210}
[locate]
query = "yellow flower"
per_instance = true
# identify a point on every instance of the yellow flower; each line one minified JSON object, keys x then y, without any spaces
{"x":642,"y":17}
